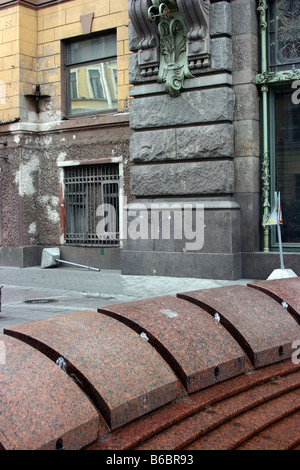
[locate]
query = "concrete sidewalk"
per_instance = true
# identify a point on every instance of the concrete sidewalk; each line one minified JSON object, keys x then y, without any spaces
{"x":33,"y":293}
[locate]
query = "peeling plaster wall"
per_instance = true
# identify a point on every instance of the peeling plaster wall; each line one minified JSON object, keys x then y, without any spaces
{"x":10,"y":201}
{"x":31,"y":189}
{"x":31,"y":184}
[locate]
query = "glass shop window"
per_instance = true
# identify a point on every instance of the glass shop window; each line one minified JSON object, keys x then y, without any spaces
{"x":285,"y":153}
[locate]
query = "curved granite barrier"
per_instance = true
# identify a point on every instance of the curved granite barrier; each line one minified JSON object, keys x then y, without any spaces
{"x":211,"y":369}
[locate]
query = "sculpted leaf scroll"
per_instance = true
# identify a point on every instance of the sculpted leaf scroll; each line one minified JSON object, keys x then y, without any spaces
{"x":173,"y":39}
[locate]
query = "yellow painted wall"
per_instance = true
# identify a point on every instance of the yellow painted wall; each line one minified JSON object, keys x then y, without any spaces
{"x":9,"y":64}
{"x":30,"y":46}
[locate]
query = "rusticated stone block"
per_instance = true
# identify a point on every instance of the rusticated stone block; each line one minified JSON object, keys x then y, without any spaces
{"x":199,"y":349}
{"x":178,"y":179}
{"x":214,"y":141}
{"x":40,"y":406}
{"x":148,"y":146}
{"x":190,"y":143}
{"x":220,"y":20}
{"x":244,"y":17}
{"x":121,"y":372}
{"x":192,"y":107}
{"x":264,"y":329}
{"x":246,"y":141}
{"x":286,"y":291}
{"x":221,"y":54}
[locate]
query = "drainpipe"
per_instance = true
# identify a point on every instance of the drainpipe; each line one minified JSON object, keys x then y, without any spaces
{"x":263,"y":5}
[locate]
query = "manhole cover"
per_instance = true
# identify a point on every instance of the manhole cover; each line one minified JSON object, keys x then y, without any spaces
{"x":41,"y":301}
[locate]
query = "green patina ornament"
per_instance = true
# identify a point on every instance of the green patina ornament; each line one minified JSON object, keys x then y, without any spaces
{"x":173,"y":68}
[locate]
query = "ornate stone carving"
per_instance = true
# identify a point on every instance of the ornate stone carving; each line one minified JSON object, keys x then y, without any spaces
{"x":147,"y":36}
{"x":278,"y":77}
{"x":195,"y":14}
{"x":173,"y":39}
{"x":173,"y":60}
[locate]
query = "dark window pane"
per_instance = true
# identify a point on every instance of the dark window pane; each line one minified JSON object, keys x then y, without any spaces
{"x":287,"y":162}
{"x":92,"y":49}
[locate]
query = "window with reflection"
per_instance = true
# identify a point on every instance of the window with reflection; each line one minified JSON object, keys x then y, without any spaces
{"x":284,"y":118}
{"x":91,"y":75}
{"x":286,"y":151}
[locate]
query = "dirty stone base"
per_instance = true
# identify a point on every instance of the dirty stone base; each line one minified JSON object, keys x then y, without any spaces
{"x":30,"y":256}
{"x":193,"y":265}
{"x":221,"y":266}
{"x":260,"y":265}
{"x":20,"y":257}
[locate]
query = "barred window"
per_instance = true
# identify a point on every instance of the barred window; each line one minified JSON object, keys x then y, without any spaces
{"x":88,"y":188}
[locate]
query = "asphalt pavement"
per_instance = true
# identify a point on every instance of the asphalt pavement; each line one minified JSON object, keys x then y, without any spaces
{"x":31,"y":294}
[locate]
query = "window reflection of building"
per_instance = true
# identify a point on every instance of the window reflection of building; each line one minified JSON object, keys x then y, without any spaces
{"x":93,"y":83}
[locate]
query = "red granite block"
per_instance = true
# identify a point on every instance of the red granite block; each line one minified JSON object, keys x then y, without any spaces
{"x":121,"y":372}
{"x":286,"y":291}
{"x":198,"y":348}
{"x":40,"y":406}
{"x":264,"y":329}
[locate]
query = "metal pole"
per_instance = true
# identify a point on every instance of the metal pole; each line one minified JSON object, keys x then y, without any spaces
{"x":262,"y":8}
{"x":79,"y":265}
{"x":280,"y":246}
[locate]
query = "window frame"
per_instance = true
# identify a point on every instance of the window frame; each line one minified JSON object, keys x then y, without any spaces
{"x":67,"y":67}
{"x":274,"y":245}
{"x":84,"y":188}
{"x":275,"y":67}
{"x":274,"y":64}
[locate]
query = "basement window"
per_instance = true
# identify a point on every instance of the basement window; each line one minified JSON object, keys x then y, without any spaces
{"x":92,"y":197}
{"x":91,"y":75}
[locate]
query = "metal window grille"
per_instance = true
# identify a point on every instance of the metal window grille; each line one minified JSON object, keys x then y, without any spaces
{"x":87,"y":188}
